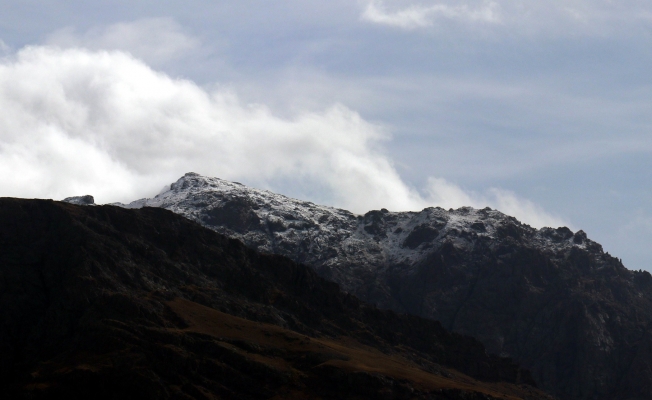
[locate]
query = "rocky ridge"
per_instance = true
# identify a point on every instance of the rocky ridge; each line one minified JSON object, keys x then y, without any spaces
{"x":342,"y":245}
{"x":550,"y":298}
{"x":106,"y":303}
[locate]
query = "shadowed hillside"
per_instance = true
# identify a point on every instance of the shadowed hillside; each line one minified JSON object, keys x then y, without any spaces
{"x":106,"y":303}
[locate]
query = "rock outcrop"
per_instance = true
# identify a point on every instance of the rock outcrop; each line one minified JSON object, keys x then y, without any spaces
{"x":107,"y":303}
{"x":551,"y":298}
{"x":86,"y":200}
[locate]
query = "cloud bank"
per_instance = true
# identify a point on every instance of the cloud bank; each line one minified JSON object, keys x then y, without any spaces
{"x":75,"y":121}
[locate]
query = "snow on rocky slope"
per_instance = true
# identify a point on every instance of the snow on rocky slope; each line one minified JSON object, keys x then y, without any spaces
{"x":347,"y":248}
{"x":550,"y":298}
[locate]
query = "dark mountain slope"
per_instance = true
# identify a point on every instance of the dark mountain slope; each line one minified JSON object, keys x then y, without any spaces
{"x":107,"y":303}
{"x":552,"y":299}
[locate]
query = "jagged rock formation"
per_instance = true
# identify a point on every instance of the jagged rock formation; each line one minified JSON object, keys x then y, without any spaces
{"x":107,"y":303}
{"x":550,"y":298}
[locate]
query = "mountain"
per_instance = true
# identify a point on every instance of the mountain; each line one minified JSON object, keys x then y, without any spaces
{"x":108,"y":303}
{"x":552,"y":299}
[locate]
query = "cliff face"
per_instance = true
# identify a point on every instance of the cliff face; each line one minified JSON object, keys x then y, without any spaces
{"x":549,"y":298}
{"x":102,"y":302}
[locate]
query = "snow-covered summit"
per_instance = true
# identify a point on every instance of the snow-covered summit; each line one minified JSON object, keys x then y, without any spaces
{"x":353,"y":250}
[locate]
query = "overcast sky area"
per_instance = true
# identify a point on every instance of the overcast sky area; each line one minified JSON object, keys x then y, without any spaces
{"x":542,"y":109}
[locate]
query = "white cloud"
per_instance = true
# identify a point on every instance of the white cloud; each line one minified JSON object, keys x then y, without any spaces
{"x":448,"y":195}
{"x":104,"y":123}
{"x":552,"y":17}
{"x":420,"y":16}
{"x":155,"y":40}
{"x":523,"y":209}
{"x":4,"y":48}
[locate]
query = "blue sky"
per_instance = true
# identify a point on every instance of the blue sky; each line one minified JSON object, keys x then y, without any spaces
{"x":540,"y":109}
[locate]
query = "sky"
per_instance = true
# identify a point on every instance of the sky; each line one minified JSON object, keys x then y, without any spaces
{"x":539,"y":109}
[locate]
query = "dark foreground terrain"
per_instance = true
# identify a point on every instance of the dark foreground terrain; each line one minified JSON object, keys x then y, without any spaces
{"x":108,"y":303}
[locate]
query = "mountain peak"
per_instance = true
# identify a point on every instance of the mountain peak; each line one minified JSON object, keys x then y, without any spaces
{"x":523,"y":292}
{"x":275,"y":223}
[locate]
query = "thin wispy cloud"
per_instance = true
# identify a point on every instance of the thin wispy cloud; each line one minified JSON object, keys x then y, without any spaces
{"x":154,"y":40}
{"x":550,"y":17}
{"x":4,"y":48}
{"x":76,"y":121}
{"x":420,"y":16}
{"x":445,"y":194}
